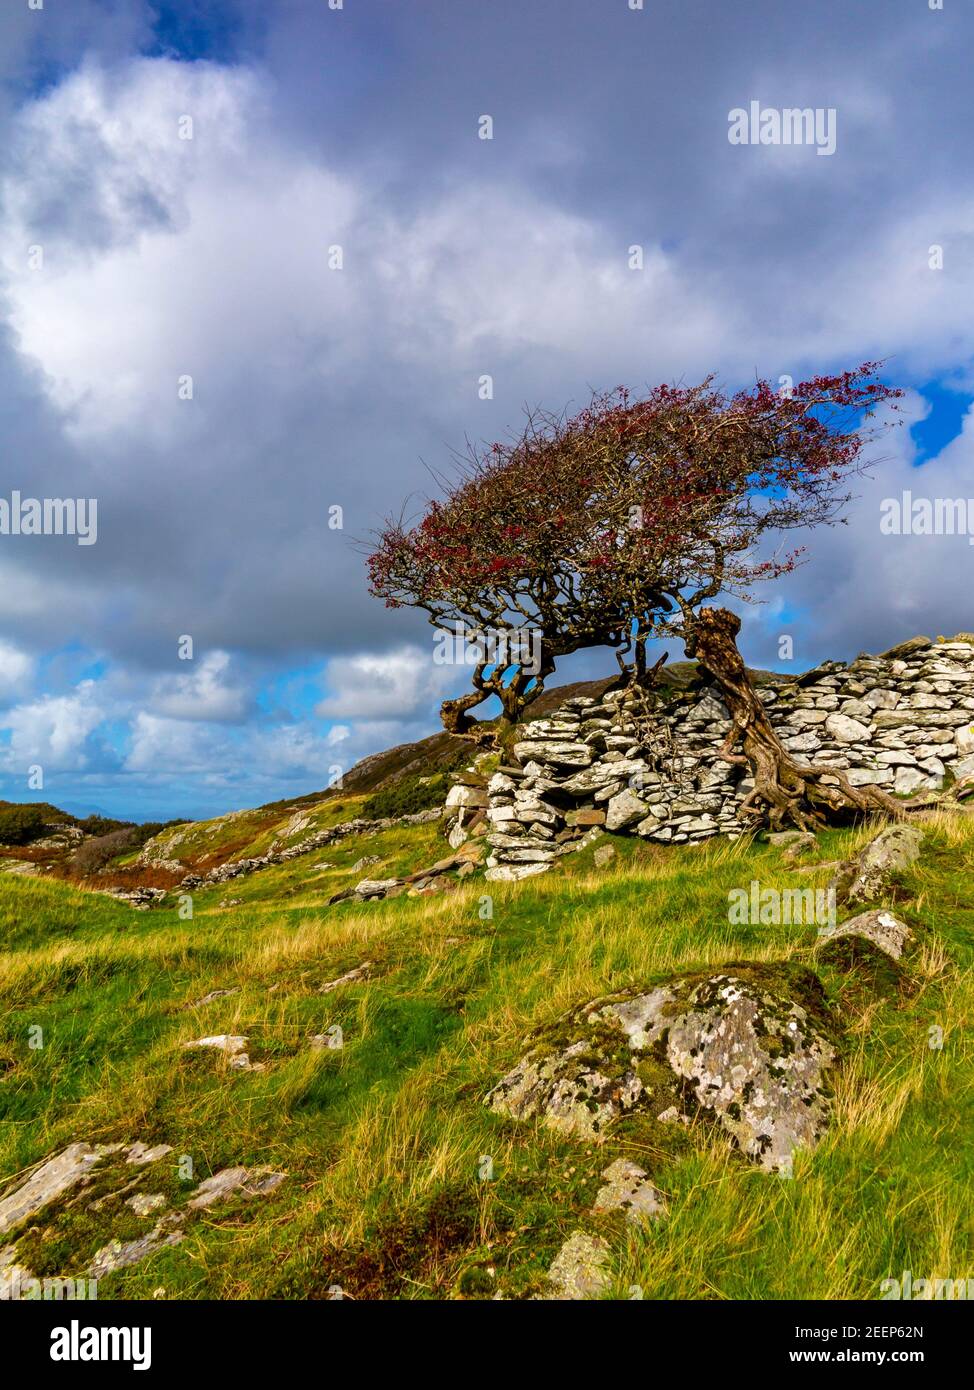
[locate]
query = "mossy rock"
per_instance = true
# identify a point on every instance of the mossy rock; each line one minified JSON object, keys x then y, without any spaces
{"x":749,"y":1046}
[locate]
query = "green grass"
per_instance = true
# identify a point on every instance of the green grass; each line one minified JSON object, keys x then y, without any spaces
{"x":383,"y":1139}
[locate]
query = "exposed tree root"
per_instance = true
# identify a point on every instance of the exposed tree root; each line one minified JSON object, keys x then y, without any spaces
{"x":785,"y":792}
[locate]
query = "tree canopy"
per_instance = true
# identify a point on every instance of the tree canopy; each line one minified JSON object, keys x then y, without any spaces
{"x":617,"y":524}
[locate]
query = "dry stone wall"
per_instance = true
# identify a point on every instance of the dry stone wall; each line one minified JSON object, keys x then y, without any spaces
{"x":903,"y":721}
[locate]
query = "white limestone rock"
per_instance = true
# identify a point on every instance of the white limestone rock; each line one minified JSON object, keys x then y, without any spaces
{"x":624,"y":809}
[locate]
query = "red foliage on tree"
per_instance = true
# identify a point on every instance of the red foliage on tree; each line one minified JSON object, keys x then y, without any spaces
{"x":619,"y":524}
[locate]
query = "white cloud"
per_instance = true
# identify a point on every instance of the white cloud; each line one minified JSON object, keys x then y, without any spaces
{"x":53,"y":731}
{"x":166,"y":746}
{"x":394,"y":685}
{"x":200,"y":693}
{"x":16,"y":670}
{"x":208,"y":250}
{"x":115,"y":319}
{"x":856,"y":577}
{"x":298,"y":750}
{"x":209,"y":256}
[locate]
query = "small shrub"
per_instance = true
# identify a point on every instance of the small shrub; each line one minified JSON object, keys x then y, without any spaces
{"x":409,"y":795}
{"x":95,"y":854}
{"x":102,"y":825}
{"x":19,"y":825}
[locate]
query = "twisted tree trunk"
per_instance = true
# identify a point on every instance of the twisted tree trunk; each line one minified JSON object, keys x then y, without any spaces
{"x":785,"y":792}
{"x":453,"y":713}
{"x":514,"y":697}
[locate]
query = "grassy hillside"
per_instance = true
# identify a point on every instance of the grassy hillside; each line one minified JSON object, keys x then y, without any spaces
{"x":383,"y":1140}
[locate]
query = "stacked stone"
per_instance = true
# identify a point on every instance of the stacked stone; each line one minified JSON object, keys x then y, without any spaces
{"x":903,"y":722}
{"x":465,"y":810}
{"x":586,"y":768}
{"x":537,"y":812}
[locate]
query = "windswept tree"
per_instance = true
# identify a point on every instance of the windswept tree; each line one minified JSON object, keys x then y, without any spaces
{"x":623,"y":524}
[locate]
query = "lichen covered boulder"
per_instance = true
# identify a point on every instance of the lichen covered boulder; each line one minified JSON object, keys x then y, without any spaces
{"x":870,"y":875}
{"x":749,"y":1047}
{"x":883,"y":929}
{"x":583,"y":1072}
{"x":758,"y":1060}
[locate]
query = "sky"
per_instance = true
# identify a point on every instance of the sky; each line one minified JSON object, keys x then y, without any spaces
{"x":178,"y":342}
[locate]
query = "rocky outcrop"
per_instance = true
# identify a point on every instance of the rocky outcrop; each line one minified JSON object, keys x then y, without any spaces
{"x":169,"y":1228}
{"x":248,"y":1182}
{"x":430,"y":880}
{"x":581,"y":1269}
{"x":351,"y":977}
{"x":749,"y":1047}
{"x":118,"y":1254}
{"x":50,"y":1181}
{"x":903,"y":721}
{"x":211,"y":997}
{"x":232,"y":1045}
{"x":62,"y":836}
{"x":140,"y":898}
{"x":108,"y":1169}
{"x":25,"y":868}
